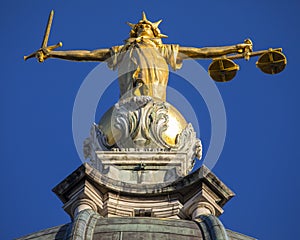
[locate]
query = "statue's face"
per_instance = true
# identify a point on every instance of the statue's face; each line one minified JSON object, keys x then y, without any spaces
{"x":144,"y":30}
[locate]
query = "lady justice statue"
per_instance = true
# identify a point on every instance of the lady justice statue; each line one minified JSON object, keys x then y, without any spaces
{"x":143,"y":60}
{"x":142,"y":118}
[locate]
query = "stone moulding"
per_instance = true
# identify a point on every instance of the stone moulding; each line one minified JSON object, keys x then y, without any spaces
{"x":183,"y":199}
{"x":142,"y":166}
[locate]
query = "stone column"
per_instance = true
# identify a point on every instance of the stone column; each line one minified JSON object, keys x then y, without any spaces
{"x":202,"y":208}
{"x":82,"y":204}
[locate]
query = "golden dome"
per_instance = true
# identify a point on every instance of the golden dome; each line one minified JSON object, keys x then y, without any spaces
{"x":155,"y":124}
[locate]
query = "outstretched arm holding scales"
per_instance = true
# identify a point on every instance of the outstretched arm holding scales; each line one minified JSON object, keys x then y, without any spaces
{"x":146,"y":33}
{"x":102,"y":54}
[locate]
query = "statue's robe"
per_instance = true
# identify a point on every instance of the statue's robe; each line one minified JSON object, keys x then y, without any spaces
{"x":143,"y":66}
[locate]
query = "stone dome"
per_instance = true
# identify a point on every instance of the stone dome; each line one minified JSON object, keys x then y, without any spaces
{"x":89,"y":225}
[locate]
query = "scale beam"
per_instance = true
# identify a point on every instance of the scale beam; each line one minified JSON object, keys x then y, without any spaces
{"x":271,"y":61}
{"x":252,"y":54}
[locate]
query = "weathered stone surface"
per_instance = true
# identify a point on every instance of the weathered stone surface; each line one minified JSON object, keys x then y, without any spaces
{"x":57,"y":233}
{"x":185,"y":198}
{"x":142,"y":166}
{"x":89,"y":225}
{"x":237,"y":236}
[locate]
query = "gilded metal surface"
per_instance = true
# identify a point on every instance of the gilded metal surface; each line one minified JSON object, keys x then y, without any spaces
{"x":143,"y":60}
{"x":41,"y":53}
{"x":143,"y":65}
{"x":105,"y":126}
{"x":271,"y":62}
{"x":175,"y":125}
{"x":149,"y":74}
{"x":222,"y":69}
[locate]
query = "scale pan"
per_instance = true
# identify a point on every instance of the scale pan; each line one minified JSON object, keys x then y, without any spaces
{"x":271,"y":62}
{"x":222,"y":70}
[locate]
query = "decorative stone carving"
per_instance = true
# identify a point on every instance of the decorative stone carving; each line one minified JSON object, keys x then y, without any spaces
{"x":140,"y":124}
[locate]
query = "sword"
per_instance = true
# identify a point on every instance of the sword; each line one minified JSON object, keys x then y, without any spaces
{"x":39,"y":54}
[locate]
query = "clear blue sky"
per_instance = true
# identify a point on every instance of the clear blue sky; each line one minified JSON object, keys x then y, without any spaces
{"x":260,"y":160}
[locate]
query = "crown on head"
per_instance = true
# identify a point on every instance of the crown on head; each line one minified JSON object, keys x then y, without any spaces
{"x":144,"y":20}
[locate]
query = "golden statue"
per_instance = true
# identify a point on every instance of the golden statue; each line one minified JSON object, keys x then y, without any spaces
{"x":142,"y":64}
{"x":144,"y":55}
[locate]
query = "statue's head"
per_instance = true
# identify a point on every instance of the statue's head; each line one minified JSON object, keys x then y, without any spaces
{"x":145,"y":28}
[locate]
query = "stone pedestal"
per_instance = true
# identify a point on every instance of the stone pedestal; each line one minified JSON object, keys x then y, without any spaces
{"x":142,"y":166}
{"x":185,"y":198}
